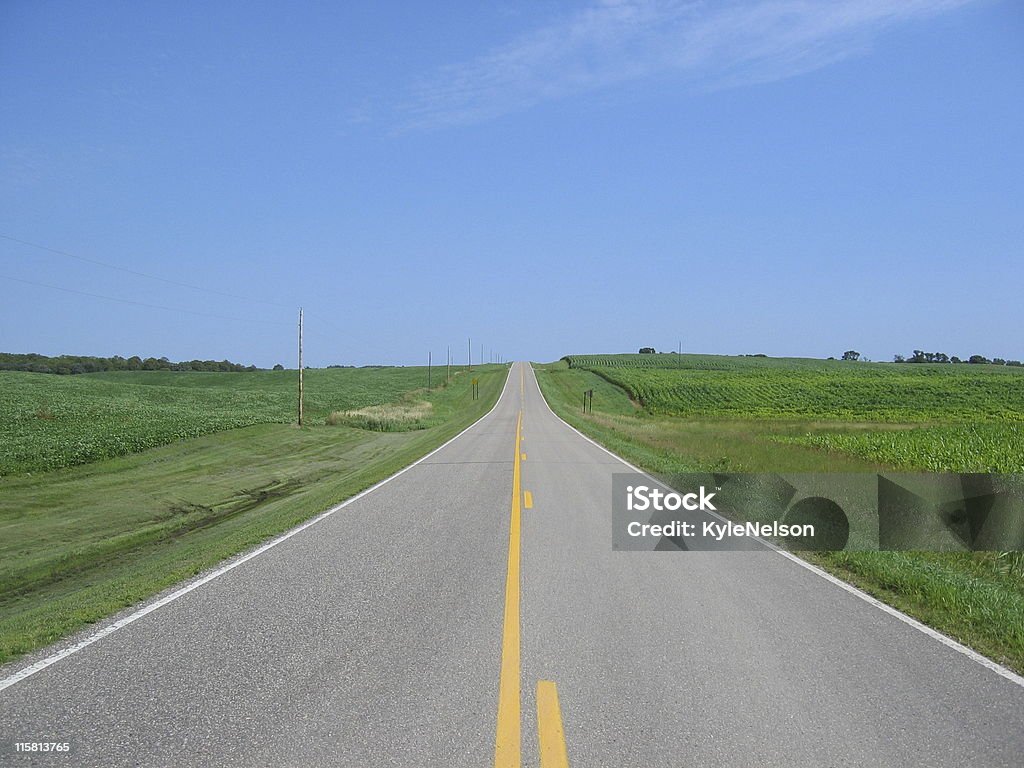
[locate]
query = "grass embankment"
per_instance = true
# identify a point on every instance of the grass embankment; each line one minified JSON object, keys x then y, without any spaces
{"x":977,"y":598}
{"x":80,"y":543}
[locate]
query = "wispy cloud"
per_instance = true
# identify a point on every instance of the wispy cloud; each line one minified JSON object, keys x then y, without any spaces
{"x":716,"y":43}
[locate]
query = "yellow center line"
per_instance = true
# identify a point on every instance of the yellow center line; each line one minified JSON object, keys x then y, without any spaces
{"x":551,"y":734}
{"x":507,"y":749}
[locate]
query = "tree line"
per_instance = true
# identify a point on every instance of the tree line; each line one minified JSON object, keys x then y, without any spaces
{"x":75,"y":364}
{"x":920,"y":356}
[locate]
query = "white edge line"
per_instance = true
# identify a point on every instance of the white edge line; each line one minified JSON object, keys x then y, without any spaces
{"x":42,"y":664}
{"x":949,"y":642}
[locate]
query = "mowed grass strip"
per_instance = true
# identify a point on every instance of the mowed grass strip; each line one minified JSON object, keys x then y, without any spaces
{"x":976,"y":598}
{"x":80,"y":543}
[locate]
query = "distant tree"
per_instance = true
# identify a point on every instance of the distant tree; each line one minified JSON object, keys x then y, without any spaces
{"x":977,"y":360}
{"x":955,"y":359}
{"x":1014,"y":363}
{"x":851,"y":354}
{"x":998,"y":361}
{"x":278,"y":367}
{"x":647,"y":351}
{"x":920,"y":356}
{"x":899,"y":359}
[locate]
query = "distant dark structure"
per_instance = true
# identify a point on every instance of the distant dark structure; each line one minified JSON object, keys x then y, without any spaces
{"x":647,"y":351}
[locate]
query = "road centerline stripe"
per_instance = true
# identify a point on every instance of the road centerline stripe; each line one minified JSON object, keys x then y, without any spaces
{"x":507,"y":744}
{"x":550,"y":732}
{"x":527,"y":499}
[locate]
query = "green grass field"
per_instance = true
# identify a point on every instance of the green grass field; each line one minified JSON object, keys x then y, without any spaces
{"x":671,"y":414}
{"x":81,"y":542}
{"x":61,"y":421}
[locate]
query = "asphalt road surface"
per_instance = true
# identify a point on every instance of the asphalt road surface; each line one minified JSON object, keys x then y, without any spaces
{"x":414,"y":627}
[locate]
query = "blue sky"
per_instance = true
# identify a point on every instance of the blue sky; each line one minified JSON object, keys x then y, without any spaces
{"x":773,"y":176}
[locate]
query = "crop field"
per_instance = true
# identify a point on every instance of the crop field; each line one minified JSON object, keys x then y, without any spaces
{"x":962,"y":448}
{"x":773,"y":388}
{"x":960,"y":418}
{"x":53,"y":422}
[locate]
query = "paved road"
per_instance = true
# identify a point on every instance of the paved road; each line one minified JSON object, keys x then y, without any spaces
{"x":389,"y":634}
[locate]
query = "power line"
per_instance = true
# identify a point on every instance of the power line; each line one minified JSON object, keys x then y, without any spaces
{"x":178,"y":283}
{"x":159,"y":279}
{"x":140,"y":303}
{"x":338,"y":328}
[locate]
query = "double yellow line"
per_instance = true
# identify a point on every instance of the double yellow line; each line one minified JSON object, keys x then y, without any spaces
{"x":551,"y":734}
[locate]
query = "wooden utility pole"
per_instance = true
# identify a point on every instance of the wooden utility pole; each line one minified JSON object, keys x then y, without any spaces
{"x":679,"y":356}
{"x":448,"y":373}
{"x":300,"y":366}
{"x":428,"y":370}
{"x":469,"y":346}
